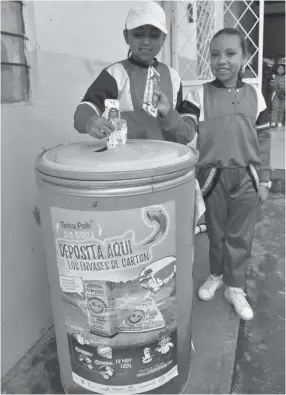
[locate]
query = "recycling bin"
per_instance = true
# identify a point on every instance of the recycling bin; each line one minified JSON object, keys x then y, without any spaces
{"x":118,"y":233}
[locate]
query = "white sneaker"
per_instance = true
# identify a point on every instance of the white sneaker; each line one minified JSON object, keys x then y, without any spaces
{"x":236,"y":297}
{"x":207,"y":290}
{"x":279,"y":125}
{"x":273,"y":124}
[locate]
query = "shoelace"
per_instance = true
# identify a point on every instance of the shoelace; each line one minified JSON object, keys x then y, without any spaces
{"x":241,"y":300}
{"x":212,"y":281}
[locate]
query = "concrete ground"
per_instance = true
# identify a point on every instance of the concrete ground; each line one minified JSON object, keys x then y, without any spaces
{"x":214,"y":333}
{"x":278,"y":148}
{"x":259,"y":358}
{"x":278,"y":159}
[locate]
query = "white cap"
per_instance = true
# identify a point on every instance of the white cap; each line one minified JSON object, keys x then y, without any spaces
{"x":146,"y":13}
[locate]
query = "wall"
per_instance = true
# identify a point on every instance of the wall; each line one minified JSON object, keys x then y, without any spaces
{"x":70,"y":42}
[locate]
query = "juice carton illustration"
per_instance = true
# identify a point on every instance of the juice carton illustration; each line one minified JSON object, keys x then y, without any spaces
{"x":100,"y":305}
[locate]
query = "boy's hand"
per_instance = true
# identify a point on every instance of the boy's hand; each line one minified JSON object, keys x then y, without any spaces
{"x":99,"y":127}
{"x":262,"y":194}
{"x":163,"y":104}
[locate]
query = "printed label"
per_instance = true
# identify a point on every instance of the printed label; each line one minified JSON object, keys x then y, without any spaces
{"x":117,"y":273}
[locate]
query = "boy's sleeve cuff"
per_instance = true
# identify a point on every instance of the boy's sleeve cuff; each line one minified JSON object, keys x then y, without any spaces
{"x":170,"y":120}
{"x":82,"y":115}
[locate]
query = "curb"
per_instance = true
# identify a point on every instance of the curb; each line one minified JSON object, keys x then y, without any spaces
{"x":278,"y":181}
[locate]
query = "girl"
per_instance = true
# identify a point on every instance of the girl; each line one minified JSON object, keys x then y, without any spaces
{"x":145,"y":33}
{"x":278,"y":98}
{"x":234,"y":145}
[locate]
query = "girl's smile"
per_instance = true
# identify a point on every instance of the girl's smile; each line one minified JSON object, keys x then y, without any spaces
{"x":223,"y":70}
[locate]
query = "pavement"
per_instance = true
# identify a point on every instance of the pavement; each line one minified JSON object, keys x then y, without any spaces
{"x":278,"y":148}
{"x":260,"y":359}
{"x":218,"y":366}
{"x":277,"y":159}
{"x":214,"y":333}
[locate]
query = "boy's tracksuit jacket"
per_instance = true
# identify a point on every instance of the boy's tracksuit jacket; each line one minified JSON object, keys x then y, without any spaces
{"x":125,"y":81}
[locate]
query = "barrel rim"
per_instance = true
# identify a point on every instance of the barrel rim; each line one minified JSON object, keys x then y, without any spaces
{"x":81,"y":189}
{"x":43,"y":169}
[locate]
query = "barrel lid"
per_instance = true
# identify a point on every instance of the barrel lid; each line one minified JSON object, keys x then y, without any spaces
{"x":138,"y":158}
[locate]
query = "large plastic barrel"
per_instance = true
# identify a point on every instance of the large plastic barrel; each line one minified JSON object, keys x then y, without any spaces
{"x":118,"y":229}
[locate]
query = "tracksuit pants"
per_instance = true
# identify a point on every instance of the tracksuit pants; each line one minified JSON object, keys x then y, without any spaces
{"x":231,"y":215}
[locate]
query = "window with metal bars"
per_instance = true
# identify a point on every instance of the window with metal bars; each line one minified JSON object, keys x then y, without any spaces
{"x":190,"y":41}
{"x":190,"y":12}
{"x":15,"y":86}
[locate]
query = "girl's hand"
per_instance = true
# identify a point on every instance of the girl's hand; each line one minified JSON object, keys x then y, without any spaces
{"x":163,"y":104}
{"x":99,"y":127}
{"x":262,"y":194}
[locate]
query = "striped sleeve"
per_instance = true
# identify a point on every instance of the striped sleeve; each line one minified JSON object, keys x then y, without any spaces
{"x":179,"y":97}
{"x":176,"y":87}
{"x":104,"y":87}
{"x":179,"y":126}
{"x":264,"y":138}
{"x":190,"y":110}
{"x":191,"y":106}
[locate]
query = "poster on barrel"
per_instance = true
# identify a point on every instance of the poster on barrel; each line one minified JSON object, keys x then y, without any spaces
{"x":117,"y":273}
